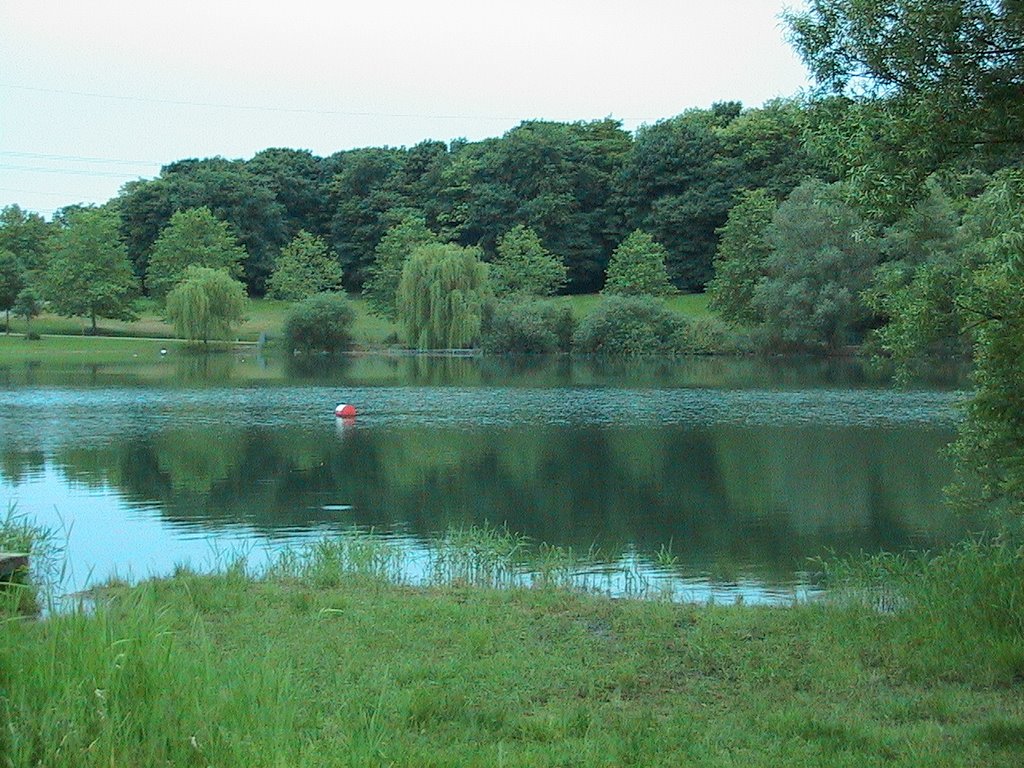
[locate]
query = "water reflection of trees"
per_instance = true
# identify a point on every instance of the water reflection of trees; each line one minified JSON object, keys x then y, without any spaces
{"x":768,"y":495}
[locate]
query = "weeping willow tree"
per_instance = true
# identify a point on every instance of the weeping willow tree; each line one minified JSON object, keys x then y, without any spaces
{"x":441,"y":296}
{"x":206,"y":304}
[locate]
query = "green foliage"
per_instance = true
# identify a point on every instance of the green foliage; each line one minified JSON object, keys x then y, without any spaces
{"x":631,"y":325}
{"x":229,"y":191}
{"x":559,"y":179}
{"x":524,"y":266}
{"x":367,"y":186}
{"x":297,"y":180}
{"x":683,"y":174}
{"x":929,"y":85}
{"x":743,"y":249}
{"x":206,"y":304}
{"x":538,"y":327}
{"x":637,"y":268}
{"x":912,"y":292}
{"x":26,"y":235}
{"x":821,"y":261}
{"x":88,"y":272}
{"x":581,"y":187}
{"x":390,"y":255}
{"x":192,"y":238}
{"x":989,"y":305}
{"x":12,"y":280}
{"x":971,"y":296}
{"x":441,"y":296}
{"x":708,"y":335}
{"x":305,"y":267}
{"x":28,"y":304}
{"x":320,"y":323}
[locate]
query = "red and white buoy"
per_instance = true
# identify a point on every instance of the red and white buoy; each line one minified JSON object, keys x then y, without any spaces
{"x":345,"y":411}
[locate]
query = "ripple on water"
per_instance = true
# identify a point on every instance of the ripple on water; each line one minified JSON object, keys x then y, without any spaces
{"x":50,"y":414}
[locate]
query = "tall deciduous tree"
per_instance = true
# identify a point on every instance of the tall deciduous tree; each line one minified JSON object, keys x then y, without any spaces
{"x":88,"y":272}
{"x":928,"y":83}
{"x":390,"y":255}
{"x":304,"y":268}
{"x":28,"y":305}
{"x":228,"y":189}
{"x":637,"y":268}
{"x":366,"y":187}
{"x":26,"y":235}
{"x":743,"y":249}
{"x":12,"y":280}
{"x":441,"y":296}
{"x":559,"y":179}
{"x":298,"y":181}
{"x":192,"y":238}
{"x":524,"y":266}
{"x":206,"y":304}
{"x":821,"y":259}
{"x":974,"y":295}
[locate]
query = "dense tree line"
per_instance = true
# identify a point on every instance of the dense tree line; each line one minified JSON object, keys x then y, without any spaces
{"x":580,"y":187}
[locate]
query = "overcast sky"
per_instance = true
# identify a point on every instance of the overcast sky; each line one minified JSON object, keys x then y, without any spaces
{"x":93,"y":94}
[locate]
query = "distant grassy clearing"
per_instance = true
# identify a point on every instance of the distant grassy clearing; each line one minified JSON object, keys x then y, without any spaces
{"x":76,"y":350}
{"x":266,"y":316}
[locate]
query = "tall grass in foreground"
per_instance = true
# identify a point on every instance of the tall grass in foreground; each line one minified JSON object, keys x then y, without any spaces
{"x":122,"y":685}
{"x":46,"y":562}
{"x":318,"y":660}
{"x":950,"y":608}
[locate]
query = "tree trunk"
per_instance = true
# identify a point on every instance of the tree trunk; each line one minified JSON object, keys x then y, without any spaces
{"x":93,"y":323}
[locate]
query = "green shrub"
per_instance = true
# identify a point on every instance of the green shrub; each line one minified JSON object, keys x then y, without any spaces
{"x":536,"y":327}
{"x":321,"y":323}
{"x":711,"y":336}
{"x":622,"y":325}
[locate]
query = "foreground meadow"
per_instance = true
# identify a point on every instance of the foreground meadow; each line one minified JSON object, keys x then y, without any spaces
{"x":325,"y":661}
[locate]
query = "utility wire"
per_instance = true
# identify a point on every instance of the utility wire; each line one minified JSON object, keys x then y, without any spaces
{"x":75,"y":171}
{"x":78,"y":158}
{"x":253,"y":108}
{"x":37,"y":192}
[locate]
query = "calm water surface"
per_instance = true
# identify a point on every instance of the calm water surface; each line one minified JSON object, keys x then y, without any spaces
{"x":743,"y":469}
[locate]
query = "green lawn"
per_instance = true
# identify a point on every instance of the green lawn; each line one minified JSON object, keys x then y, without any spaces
{"x":74,"y":350}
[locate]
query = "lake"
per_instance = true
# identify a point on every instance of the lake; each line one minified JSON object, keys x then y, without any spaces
{"x":739,"y":469}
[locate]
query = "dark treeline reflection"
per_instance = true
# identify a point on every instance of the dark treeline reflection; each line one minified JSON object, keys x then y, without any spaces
{"x":273,"y":367}
{"x":751,"y":496}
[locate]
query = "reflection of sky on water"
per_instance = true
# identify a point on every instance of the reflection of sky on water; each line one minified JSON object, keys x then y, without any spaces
{"x":134,"y":542}
{"x":111,"y":466}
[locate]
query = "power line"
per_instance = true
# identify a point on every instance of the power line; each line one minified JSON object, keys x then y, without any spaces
{"x":78,"y":158}
{"x":255,"y":108}
{"x":74,"y":171}
{"x":36,"y":192}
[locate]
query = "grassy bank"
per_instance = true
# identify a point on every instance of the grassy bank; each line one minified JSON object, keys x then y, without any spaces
{"x":76,"y":350}
{"x":263,"y":316}
{"x":266,"y":316}
{"x":324,"y":661}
